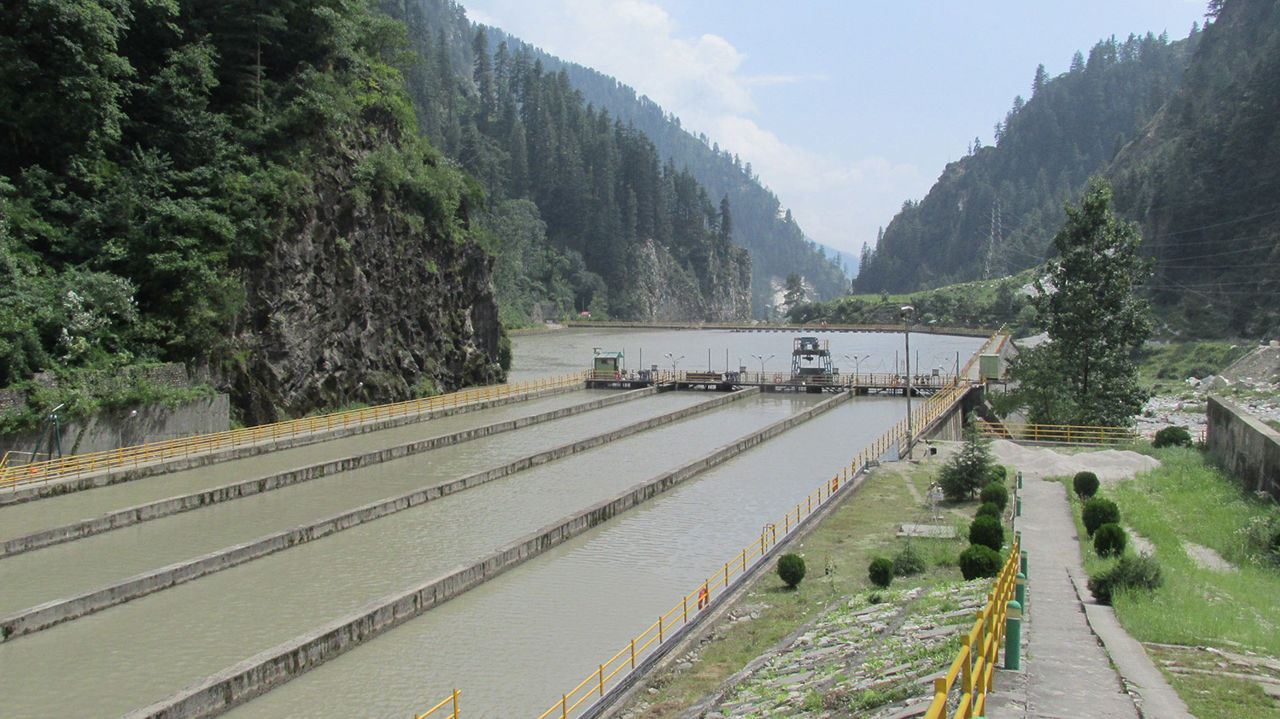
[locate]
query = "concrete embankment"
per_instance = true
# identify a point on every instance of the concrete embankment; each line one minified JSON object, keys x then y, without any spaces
{"x":276,"y":666}
{"x":196,"y":500}
{"x":140,"y":471}
{"x":60,"y":610}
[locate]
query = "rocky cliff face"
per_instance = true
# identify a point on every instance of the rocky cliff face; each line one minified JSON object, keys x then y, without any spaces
{"x":365,"y":298}
{"x":667,"y":291}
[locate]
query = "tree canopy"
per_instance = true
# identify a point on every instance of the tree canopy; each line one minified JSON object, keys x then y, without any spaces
{"x":1085,"y":373}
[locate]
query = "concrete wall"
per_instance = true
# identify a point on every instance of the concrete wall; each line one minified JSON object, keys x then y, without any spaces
{"x":57,"y":611}
{"x":127,"y":474}
{"x":153,"y":423}
{"x":1245,"y":445}
{"x":258,"y":674}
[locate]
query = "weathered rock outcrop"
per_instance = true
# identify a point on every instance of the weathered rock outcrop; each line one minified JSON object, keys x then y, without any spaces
{"x":365,"y":298}
{"x":666,"y":291}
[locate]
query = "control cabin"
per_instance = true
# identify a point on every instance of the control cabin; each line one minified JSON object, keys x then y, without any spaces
{"x":606,"y":365}
{"x":811,"y":361}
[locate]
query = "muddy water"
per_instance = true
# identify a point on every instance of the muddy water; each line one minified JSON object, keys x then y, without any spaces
{"x":68,"y":569}
{"x":132,"y":655}
{"x":513,"y":645}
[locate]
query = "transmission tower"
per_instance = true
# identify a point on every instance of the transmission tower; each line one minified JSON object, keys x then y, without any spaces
{"x":992,"y":240}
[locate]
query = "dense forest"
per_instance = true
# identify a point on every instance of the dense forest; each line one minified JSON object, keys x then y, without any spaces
{"x":761,"y":224}
{"x":238,"y":186}
{"x":1187,"y":133}
{"x":582,"y":214}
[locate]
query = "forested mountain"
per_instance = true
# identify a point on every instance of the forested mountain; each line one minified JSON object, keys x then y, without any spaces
{"x":995,"y":211}
{"x":581,"y":213}
{"x":777,"y":244}
{"x":1203,"y":180}
{"x":236,"y":185}
{"x":1186,"y":131}
{"x":760,"y":224}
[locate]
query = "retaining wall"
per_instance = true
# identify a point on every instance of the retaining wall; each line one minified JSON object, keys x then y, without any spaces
{"x":57,"y":611}
{"x":196,"y":500}
{"x":1245,"y":445}
{"x":122,"y":474}
{"x":260,"y":673}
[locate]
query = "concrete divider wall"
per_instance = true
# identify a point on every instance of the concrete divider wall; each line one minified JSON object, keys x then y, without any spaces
{"x":65,"y":609}
{"x":117,"y":475}
{"x":268,"y":669}
{"x":1245,"y":445}
{"x":196,"y":500}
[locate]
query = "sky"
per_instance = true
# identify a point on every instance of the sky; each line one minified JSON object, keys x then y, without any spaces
{"x":844,"y":109}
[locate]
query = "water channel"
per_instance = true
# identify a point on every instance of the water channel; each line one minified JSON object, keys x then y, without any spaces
{"x":512,"y":644}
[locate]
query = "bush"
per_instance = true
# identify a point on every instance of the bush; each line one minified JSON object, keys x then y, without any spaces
{"x":1085,"y":484}
{"x":1130,"y":572}
{"x":987,"y":532}
{"x":980,"y":560}
{"x":908,"y":562}
{"x":1109,"y":540}
{"x":880,"y":571}
{"x":791,"y":569}
{"x":988,"y":510}
{"x":1098,"y":512}
{"x":997,"y":474}
{"x":996,"y":494}
{"x":1172,"y":437}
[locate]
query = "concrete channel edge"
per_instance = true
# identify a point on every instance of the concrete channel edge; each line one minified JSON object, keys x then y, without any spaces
{"x":261,"y":673}
{"x":247,"y":488}
{"x":48,"y":614}
{"x":109,"y":477}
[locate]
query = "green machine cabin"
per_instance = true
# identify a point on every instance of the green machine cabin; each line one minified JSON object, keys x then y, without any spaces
{"x":606,"y":365}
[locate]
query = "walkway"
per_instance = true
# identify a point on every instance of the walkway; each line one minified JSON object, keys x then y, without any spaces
{"x":1067,"y":671}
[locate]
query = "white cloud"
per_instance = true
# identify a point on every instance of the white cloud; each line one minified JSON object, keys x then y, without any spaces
{"x":837,"y":202}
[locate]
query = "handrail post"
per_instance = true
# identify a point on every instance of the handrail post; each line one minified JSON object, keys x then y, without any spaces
{"x":455,"y":704}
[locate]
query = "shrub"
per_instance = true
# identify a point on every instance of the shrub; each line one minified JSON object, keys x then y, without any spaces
{"x":996,"y":494}
{"x":880,"y":571}
{"x":1085,"y":484}
{"x":967,"y":470}
{"x":980,"y":560}
{"x":1099,"y":511}
{"x":997,"y":474}
{"x":908,"y":562}
{"x":1130,"y":572}
{"x":988,"y":510}
{"x":987,"y":532}
{"x":1109,"y":540}
{"x":791,"y":569}
{"x":1172,"y":437}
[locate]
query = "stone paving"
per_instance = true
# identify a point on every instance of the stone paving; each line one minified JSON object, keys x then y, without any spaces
{"x":859,"y":658}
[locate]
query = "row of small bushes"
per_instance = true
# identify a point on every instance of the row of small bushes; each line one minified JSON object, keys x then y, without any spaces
{"x":986,"y":532}
{"x":1101,"y":518}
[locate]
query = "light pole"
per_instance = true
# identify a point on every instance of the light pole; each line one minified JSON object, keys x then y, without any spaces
{"x":762,"y":359}
{"x":674,"y":360}
{"x":906,"y":338}
{"x":856,"y":359}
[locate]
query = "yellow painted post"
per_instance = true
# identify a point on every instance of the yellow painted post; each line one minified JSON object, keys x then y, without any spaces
{"x":601,"y":680}
{"x":455,"y":704}
{"x":726,"y":575}
{"x":564,"y":706}
{"x":744,"y":561}
{"x":686,"y":609}
{"x":966,"y":667}
{"x":633,"y":654}
{"x":660,"y":636}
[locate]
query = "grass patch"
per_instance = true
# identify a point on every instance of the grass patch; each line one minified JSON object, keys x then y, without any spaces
{"x":1189,"y":499}
{"x":1171,"y":364}
{"x":838,"y":551}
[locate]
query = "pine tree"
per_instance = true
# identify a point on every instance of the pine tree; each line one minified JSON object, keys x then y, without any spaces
{"x":1085,"y":374}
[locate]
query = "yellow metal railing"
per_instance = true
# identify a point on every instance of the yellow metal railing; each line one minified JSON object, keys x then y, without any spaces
{"x":634,"y":652}
{"x":973,"y":670}
{"x":1069,"y":434}
{"x":73,"y":465}
{"x":743,"y":326}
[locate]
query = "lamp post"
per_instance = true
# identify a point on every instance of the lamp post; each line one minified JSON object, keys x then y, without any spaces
{"x":762,"y":359}
{"x":674,"y":360}
{"x":906,"y":338}
{"x":856,"y":359}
